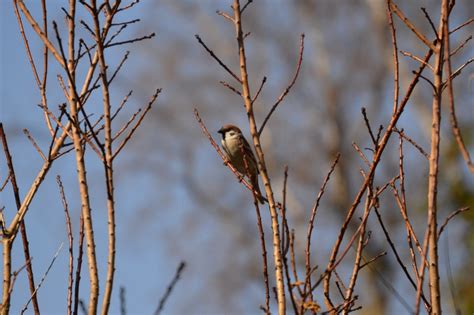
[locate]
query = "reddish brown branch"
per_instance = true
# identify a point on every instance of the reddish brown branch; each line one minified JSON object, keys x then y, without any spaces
{"x":396,"y":70}
{"x":311,"y":225}
{"x":221,"y":63}
{"x":9,"y":234}
{"x":410,"y":25}
{"x":79,"y":265}
{"x":449,"y":217}
{"x":71,"y":241}
{"x":452,"y":111}
{"x":287,"y":89}
{"x":137,"y":124}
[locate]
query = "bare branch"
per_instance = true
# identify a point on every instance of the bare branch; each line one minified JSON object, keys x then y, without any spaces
{"x":40,"y":33}
{"x":288,"y":88}
{"x":452,"y":215}
{"x":461,"y":46}
{"x":368,"y":262}
{"x":130,"y":40}
{"x":172,"y":284}
{"x":459,"y":70}
{"x":71,"y":241}
{"x":125,"y":57}
{"x":139,"y":121}
{"x":230,"y":87}
{"x":367,"y":124}
{"x":30,"y":137}
{"x":396,"y":70}
{"x":221,"y":63}
{"x":452,"y":111}
{"x":79,"y":265}
{"x":245,"y":6}
{"x":259,"y":89}
{"x":225,"y":15}
{"x":407,"y":54}
{"x":416,"y":145}
{"x":461,"y":26}
{"x":433,"y":27}
{"x":410,"y":25}
{"x":44,"y":278}
{"x":314,"y":210}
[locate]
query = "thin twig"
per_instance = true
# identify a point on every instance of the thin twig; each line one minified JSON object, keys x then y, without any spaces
{"x":259,"y":89}
{"x":395,"y":252}
{"x":172,"y":284}
{"x":245,"y":6}
{"x":128,"y":6}
{"x":8,"y":234}
{"x":79,"y":265}
{"x":361,"y":154}
{"x":139,"y":121}
{"x":433,"y":27}
{"x":286,"y":236}
{"x":461,"y":46}
{"x":71,"y":241}
{"x":452,"y":111}
{"x":368,"y":262}
{"x":410,"y":25}
{"x":396,"y":70}
{"x":230,"y":87}
{"x":125,"y":126}
{"x":461,"y":26}
{"x":125,"y":57}
{"x":452,"y":215}
{"x":459,"y":70}
{"x":44,"y":277}
{"x":225,"y":15}
{"x":264,"y":257}
{"x":311,"y":226}
{"x":367,"y":124}
{"x":288,"y":88}
{"x":130,"y":40}
{"x":30,"y":137}
{"x":413,"y":142}
{"x":223,"y":65}
{"x":407,"y":54}
{"x":123,"y":309}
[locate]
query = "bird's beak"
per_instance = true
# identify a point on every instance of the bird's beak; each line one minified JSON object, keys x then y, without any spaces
{"x":220,"y":131}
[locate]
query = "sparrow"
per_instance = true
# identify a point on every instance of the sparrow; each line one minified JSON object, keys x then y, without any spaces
{"x":238,"y":151}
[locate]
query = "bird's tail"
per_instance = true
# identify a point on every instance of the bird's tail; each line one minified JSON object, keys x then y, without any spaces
{"x":256,"y":190}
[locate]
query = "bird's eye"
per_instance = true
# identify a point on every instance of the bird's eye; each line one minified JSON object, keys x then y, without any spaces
{"x":231,"y":133}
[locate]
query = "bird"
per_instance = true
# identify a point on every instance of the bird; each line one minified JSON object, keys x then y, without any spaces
{"x":240,"y":155}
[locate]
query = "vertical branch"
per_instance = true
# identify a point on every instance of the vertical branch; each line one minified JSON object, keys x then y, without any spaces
{"x":359,"y":255}
{"x":79,"y":265}
{"x":286,"y":246}
{"x":396,"y":70}
{"x":261,"y":161}
{"x":7,"y":273}
{"x":71,"y":243}
{"x":24,"y":236}
{"x":311,"y":225}
{"x":434,"y":165}
{"x":80,"y":164}
{"x":452,"y":111}
{"x":108,"y":158}
{"x":264,"y":257}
